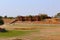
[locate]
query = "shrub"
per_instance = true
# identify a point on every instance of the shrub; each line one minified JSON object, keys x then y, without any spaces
{"x":1,"y":20}
{"x":43,"y":16}
{"x":3,"y":30}
{"x":57,"y":15}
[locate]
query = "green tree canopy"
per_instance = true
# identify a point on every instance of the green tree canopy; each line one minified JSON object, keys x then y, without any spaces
{"x":57,"y":15}
{"x":43,"y":16}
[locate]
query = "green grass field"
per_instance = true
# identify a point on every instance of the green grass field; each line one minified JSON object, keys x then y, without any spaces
{"x":14,"y":33}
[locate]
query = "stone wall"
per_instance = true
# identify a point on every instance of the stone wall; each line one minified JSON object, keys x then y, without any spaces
{"x":28,"y":18}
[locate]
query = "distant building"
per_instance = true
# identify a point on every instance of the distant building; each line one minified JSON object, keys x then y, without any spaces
{"x":29,"y":18}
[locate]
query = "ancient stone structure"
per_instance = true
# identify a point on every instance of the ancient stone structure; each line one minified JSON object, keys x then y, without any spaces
{"x":28,"y":18}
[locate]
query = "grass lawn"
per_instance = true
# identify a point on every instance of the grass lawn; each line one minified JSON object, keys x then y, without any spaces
{"x":14,"y":33}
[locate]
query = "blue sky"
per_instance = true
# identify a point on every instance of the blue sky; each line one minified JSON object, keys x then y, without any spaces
{"x":29,"y":7}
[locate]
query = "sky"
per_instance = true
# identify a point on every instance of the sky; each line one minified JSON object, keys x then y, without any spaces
{"x":29,"y":7}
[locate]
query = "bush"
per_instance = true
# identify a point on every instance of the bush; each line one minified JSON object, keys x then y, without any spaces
{"x":57,"y":15}
{"x":3,"y":30}
{"x":43,"y":16}
{"x":1,"y":22}
{"x":5,"y":16}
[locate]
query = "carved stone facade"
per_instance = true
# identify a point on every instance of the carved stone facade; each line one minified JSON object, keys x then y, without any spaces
{"x":28,"y":18}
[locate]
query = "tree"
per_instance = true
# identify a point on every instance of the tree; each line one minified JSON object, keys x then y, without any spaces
{"x":43,"y":16}
{"x":5,"y":16}
{"x":1,"y":20}
{"x":57,"y":16}
{"x":10,"y":17}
